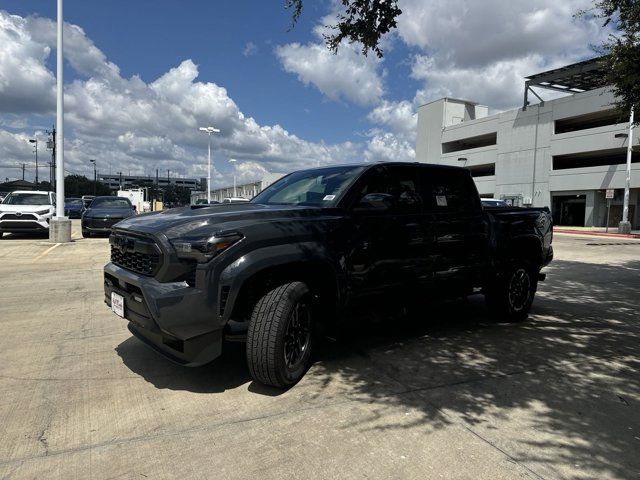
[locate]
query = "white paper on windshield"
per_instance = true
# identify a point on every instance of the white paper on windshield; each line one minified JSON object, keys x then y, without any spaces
{"x":441,"y":200}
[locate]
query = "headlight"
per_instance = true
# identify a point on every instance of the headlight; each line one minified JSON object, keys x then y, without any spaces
{"x":203,"y":250}
{"x":42,"y":212}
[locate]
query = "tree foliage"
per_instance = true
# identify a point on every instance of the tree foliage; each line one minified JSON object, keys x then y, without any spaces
{"x":79,"y":185}
{"x":363,"y":21}
{"x":622,"y":50}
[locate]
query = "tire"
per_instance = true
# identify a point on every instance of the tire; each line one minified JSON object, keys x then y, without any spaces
{"x":510,"y":295}
{"x":279,"y":338}
{"x":86,"y":234}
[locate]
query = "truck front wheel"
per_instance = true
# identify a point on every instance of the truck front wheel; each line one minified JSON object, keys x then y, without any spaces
{"x":279,"y":338}
{"x":510,"y":295}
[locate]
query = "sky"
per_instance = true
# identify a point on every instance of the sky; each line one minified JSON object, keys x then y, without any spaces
{"x":142,"y":76}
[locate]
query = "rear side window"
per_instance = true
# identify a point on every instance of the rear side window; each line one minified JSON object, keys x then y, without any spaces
{"x":399,"y":181}
{"x":449,"y":191}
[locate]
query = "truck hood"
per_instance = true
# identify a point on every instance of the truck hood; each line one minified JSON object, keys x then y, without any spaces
{"x":202,"y":221}
{"x":24,"y":208}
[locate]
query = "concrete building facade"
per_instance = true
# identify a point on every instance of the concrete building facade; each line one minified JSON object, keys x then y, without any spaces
{"x":244,"y":190}
{"x":564,"y":154}
{"x":124,"y":182}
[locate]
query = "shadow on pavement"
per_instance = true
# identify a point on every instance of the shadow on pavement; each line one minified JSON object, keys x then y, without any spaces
{"x":571,"y":369}
{"x":227,"y":372}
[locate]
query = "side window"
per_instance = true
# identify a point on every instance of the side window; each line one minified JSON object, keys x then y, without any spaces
{"x":449,"y":192}
{"x":399,"y":182}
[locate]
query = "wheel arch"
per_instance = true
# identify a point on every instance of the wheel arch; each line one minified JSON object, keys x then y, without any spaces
{"x":255,"y":274}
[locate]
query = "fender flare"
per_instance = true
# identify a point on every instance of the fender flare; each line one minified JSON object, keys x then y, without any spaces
{"x":243,"y":268}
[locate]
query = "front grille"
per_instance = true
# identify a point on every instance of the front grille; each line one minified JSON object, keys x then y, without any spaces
{"x":140,"y":255}
{"x":101,"y":222}
{"x":24,"y":216}
{"x":18,"y":225}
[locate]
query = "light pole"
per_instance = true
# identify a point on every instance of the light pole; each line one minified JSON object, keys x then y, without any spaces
{"x":210,"y":131}
{"x":95,"y":176}
{"x":35,"y":140}
{"x":625,"y":225}
{"x":60,"y":226}
{"x":233,"y":160}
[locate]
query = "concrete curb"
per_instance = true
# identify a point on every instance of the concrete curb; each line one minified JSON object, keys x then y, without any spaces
{"x":594,"y":234}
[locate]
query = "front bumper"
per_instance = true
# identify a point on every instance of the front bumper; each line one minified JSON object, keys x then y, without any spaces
{"x":176,"y":320}
{"x":99,"y":225}
{"x":25,"y":223}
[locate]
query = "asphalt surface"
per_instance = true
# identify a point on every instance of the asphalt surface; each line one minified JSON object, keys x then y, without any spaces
{"x":446,"y":393}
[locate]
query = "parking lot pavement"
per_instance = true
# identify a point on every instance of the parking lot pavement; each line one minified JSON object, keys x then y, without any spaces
{"x":445,"y":394}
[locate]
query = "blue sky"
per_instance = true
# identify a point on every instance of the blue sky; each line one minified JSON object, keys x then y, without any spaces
{"x":283,"y":102}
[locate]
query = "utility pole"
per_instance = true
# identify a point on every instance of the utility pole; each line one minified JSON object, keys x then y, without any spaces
{"x":23,"y":166}
{"x":120,"y":181}
{"x":51,"y":145}
{"x":35,"y":140}
{"x":95,"y":177}
{"x":625,"y":224}
{"x":156,"y":177}
{"x":168,"y":179}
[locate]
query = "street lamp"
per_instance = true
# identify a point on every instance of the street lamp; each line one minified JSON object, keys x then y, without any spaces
{"x":95,"y":176}
{"x":233,"y":160}
{"x":35,"y":140}
{"x":210,"y":131}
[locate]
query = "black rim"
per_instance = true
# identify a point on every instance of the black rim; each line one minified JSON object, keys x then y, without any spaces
{"x":519,"y":289}
{"x":297,"y":336}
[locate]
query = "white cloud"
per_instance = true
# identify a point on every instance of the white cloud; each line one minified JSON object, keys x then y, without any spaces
{"x":483,"y":50}
{"x":26,"y":85}
{"x":344,"y":75}
{"x":250,"y":48}
{"x":389,"y":147}
{"x":131,"y":124}
{"x":398,"y":116}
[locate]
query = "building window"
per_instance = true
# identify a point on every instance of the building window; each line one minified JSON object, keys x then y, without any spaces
{"x":471,"y":142}
{"x":485,"y":170}
{"x":593,"y":159}
{"x":590,"y":120}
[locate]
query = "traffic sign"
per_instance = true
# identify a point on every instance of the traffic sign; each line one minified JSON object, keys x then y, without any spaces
{"x":610,"y":192}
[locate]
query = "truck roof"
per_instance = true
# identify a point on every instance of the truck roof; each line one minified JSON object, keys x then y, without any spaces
{"x":433,"y":166}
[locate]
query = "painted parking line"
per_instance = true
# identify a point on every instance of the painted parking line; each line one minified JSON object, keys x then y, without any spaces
{"x":45,"y":252}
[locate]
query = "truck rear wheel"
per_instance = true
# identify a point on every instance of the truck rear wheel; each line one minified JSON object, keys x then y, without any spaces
{"x":279,"y":338}
{"x":510,"y":295}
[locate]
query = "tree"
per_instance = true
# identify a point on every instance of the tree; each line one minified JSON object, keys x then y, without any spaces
{"x":79,"y":185}
{"x":177,"y":195}
{"x":622,"y":50}
{"x":364,"y":21}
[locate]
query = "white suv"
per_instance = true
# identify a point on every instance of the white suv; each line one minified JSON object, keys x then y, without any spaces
{"x":26,"y":211}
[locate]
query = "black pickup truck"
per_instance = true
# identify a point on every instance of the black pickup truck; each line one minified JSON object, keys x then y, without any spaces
{"x":277,"y":270}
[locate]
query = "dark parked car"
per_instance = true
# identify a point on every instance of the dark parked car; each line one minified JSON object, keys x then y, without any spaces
{"x":279,"y":269}
{"x":104,"y":212}
{"x":73,"y":207}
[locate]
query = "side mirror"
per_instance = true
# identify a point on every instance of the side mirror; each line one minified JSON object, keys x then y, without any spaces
{"x":375,"y":202}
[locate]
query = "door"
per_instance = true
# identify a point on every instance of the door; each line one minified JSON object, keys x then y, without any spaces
{"x":462,"y":231}
{"x":391,"y":247}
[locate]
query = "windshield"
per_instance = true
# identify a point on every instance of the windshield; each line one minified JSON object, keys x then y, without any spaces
{"x":318,"y":187}
{"x":26,"y":199}
{"x":114,"y":202}
{"x":73,"y":201}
